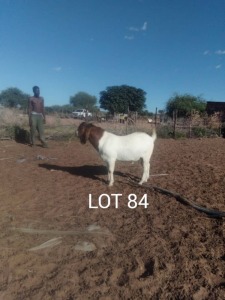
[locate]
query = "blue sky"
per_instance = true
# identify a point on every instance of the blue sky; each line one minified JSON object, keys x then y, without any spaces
{"x":67,"y":46}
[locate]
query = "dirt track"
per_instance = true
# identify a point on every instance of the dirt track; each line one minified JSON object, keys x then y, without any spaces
{"x":164,"y":251}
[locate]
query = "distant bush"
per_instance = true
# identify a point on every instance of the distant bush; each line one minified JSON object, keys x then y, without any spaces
{"x":12,"y":116}
{"x":199,"y":132}
{"x":180,"y":135}
{"x":164,"y":132}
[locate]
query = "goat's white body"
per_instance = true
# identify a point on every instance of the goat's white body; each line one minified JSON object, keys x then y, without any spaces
{"x":131,"y":147}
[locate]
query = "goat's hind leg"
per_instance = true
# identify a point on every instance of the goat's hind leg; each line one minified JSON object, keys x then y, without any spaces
{"x":146,"y":170}
{"x":111,"y":167}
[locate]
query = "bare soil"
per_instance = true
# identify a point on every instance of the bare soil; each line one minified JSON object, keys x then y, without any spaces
{"x":54,"y":246}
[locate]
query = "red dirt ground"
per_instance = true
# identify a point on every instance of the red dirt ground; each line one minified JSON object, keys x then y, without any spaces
{"x":164,"y":251}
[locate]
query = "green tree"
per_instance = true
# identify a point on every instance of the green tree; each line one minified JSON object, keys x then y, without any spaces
{"x":120,"y":99}
{"x":14,"y":97}
{"x":83,"y":100}
{"x":59,"y":109}
{"x":184,"y":104}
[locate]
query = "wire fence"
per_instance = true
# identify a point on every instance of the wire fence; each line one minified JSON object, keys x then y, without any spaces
{"x":14,"y":125}
{"x":193,"y":126}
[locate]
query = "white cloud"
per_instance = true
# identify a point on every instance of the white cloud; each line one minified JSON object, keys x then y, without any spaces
{"x":220,"y":52}
{"x":136,"y":29}
{"x":206,"y":52}
{"x":133,"y":29}
{"x":144,"y":27}
{"x":218,"y":66}
{"x":129,"y":37}
{"x":57,"y":69}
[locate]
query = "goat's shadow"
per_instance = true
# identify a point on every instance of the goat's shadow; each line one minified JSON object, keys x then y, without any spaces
{"x":87,"y":171}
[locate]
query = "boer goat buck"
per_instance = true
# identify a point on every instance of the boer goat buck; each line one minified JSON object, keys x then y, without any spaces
{"x":111,"y":147}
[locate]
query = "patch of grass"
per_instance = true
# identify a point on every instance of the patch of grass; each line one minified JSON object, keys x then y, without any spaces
{"x":164,"y":132}
{"x":60,"y":133}
{"x":22,"y":134}
{"x":15,"y":132}
{"x":199,"y":132}
{"x":180,"y":135}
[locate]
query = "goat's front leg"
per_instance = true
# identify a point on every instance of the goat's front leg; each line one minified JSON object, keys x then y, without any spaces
{"x":111,"y":167}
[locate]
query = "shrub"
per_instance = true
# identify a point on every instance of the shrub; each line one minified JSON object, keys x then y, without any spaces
{"x":199,"y":132}
{"x":17,"y":133}
{"x":164,"y":132}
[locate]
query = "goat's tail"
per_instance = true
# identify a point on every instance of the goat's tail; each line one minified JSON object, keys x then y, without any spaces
{"x":154,"y":135}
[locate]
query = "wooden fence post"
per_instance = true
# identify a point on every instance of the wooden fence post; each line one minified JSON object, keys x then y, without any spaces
{"x":174,"y":122}
{"x":156,"y":111}
{"x":190,"y":124}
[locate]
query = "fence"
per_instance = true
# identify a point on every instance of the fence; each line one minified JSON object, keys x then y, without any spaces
{"x":195,"y":125}
{"x":14,"y":124}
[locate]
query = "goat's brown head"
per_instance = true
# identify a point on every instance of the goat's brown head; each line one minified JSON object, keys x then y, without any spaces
{"x":88,"y":131}
{"x":83,"y":132}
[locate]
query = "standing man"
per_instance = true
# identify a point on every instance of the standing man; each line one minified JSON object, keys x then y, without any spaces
{"x":36,"y":113}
